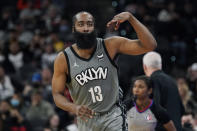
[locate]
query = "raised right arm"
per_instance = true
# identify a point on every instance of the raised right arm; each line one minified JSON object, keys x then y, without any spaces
{"x":59,"y":83}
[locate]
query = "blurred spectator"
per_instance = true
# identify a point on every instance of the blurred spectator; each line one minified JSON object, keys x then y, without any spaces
{"x":110,"y":33}
{"x":12,"y":36}
{"x":64,"y":30}
{"x":73,"y":125}
{"x":195,"y":122}
{"x":192,"y":77}
{"x":45,"y":4}
{"x":29,"y":12}
{"x":26,"y":35}
{"x":15,"y":55}
{"x":46,"y":78}
{"x":41,"y":81}
{"x":168,"y":14}
{"x":36,"y":80}
{"x":186,"y":96}
{"x":35,"y":83}
{"x":188,"y":122}
{"x":46,"y":84}
{"x":2,"y":57}
{"x":17,"y":102}
{"x":5,"y":114}
{"x":6,"y":86}
{"x":192,"y":72}
{"x":53,"y":124}
{"x":48,"y":56}
{"x":6,"y":20}
{"x":36,"y":47}
{"x":22,"y":4}
{"x":11,"y":118}
{"x":39,"y":111}
{"x":58,"y":44}
{"x":52,"y":18}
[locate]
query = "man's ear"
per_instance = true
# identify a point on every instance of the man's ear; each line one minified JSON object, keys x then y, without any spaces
{"x":144,"y":67}
{"x":73,"y":29}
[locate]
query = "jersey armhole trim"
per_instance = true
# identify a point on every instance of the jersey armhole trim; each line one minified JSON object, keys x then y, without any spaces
{"x":81,"y":58}
{"x":111,"y":61}
{"x":68,"y":79}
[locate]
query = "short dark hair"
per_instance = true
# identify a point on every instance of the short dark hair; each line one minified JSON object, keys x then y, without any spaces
{"x":146,"y":80}
{"x":75,"y":17}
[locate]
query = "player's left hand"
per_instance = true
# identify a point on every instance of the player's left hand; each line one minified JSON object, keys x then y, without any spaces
{"x":84,"y":112}
{"x":118,"y":19}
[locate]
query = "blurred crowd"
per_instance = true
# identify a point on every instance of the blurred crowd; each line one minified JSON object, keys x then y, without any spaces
{"x":32,"y":32}
{"x":174,"y":25}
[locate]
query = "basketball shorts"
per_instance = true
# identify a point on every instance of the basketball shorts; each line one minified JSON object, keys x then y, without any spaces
{"x":114,"y":120}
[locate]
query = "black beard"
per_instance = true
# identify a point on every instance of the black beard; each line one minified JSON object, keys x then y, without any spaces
{"x":85,"y":40}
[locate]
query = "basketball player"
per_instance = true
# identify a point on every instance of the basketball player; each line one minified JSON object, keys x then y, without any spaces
{"x":88,"y":70}
{"x":143,"y":114}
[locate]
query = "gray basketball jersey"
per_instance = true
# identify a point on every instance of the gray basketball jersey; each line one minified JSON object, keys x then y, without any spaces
{"x":94,"y":81}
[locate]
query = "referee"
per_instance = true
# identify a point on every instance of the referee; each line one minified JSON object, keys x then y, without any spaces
{"x":142,"y":113}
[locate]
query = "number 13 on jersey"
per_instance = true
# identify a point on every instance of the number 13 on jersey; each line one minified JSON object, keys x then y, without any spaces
{"x":96,"y":93}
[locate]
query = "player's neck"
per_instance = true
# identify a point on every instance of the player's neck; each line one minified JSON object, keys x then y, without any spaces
{"x":142,"y":104}
{"x":84,"y":53}
{"x":151,"y":71}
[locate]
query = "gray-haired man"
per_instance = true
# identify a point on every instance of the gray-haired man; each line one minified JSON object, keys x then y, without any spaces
{"x":165,"y":91}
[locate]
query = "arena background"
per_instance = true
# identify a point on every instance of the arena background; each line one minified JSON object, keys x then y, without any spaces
{"x":32,"y":32}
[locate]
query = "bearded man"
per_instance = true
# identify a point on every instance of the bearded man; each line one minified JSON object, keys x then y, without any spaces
{"x":88,"y":70}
